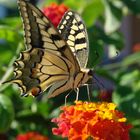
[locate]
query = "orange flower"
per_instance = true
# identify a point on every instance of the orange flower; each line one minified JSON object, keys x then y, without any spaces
{"x":99,"y":121}
{"x":31,"y":136}
{"x":55,"y":12}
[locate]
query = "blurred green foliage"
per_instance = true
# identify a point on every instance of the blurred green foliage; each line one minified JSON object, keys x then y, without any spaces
{"x":103,"y":19}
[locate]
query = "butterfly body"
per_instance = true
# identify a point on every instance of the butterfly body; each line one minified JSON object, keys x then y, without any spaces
{"x":52,"y":59}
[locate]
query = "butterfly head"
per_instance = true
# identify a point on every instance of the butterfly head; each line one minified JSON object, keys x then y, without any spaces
{"x":90,"y":72}
{"x":87,"y":75}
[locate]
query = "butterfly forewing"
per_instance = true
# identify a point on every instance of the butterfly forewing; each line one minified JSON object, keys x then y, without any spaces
{"x":40,"y":33}
{"x":74,"y":32}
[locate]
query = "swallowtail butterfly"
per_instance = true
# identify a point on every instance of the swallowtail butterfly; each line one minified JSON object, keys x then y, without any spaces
{"x":54,"y":59}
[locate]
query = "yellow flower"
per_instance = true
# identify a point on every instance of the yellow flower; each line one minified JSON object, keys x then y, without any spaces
{"x":98,"y":121}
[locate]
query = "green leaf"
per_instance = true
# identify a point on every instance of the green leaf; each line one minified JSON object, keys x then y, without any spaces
{"x":10,"y":29}
{"x":95,"y":46}
{"x":133,"y":5}
{"x":113,"y":16}
{"x":126,"y":95}
{"x":43,"y":107}
{"x":92,"y":11}
{"x":130,"y":78}
{"x":128,"y":101}
{"x":9,"y":34}
{"x":115,"y":39}
{"x":14,"y":22}
{"x":47,"y":2}
{"x":6,"y":113}
{"x":131,"y":59}
{"x":6,"y":55}
{"x":76,"y":5}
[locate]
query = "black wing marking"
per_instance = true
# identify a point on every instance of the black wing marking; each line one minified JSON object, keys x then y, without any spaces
{"x":73,"y":30}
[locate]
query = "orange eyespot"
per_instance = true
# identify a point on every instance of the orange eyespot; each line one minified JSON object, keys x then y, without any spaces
{"x":35,"y":91}
{"x":33,"y":71}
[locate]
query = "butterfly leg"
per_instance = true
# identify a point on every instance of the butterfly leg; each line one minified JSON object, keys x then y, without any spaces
{"x":67,"y":97}
{"x":88,"y":92}
{"x":77,"y":93}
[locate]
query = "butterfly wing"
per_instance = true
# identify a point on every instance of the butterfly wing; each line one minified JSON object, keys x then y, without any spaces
{"x":49,"y":61}
{"x":37,"y":70}
{"x":40,"y":33}
{"x":74,"y":32}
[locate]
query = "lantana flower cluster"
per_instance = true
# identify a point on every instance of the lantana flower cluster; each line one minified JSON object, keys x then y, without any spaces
{"x":87,"y":120}
{"x":55,"y":12}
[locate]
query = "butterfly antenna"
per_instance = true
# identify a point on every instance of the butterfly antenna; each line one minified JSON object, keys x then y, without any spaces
{"x":98,"y":81}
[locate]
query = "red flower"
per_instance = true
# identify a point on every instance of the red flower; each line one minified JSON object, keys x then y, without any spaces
{"x":55,"y":12}
{"x":31,"y":136}
{"x":99,"y":121}
{"x":136,"y":47}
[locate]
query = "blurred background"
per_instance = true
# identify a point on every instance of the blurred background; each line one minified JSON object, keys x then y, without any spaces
{"x":114,"y":42}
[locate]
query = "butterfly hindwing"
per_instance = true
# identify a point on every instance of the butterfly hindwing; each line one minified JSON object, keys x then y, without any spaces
{"x":74,"y":32}
{"x":40,"y":70}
